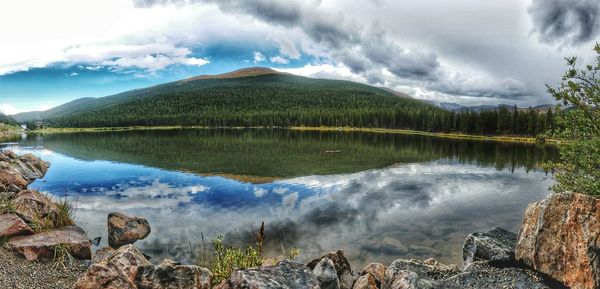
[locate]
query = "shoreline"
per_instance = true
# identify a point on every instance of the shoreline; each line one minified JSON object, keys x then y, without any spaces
{"x":459,"y":136}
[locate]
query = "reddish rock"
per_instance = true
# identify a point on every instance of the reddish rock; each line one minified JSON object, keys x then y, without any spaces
{"x":10,"y":179}
{"x":31,"y":205}
{"x":376,"y":270}
{"x":104,"y":276}
{"x":11,"y":225}
{"x":124,"y":230}
{"x":128,"y":258}
{"x":366,"y":282}
{"x":41,"y":246}
{"x":31,"y":167}
{"x":103,"y":254}
{"x":560,"y":237}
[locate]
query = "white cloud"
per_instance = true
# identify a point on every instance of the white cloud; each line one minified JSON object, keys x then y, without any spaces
{"x":6,"y":108}
{"x":258,"y":57}
{"x":286,"y":46}
{"x":279,"y":60}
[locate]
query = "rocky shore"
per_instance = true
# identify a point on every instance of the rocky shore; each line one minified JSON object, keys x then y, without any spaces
{"x":557,"y":247}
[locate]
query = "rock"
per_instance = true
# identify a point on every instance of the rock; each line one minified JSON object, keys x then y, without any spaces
{"x":11,"y":225}
{"x":326,"y":274}
{"x":102,"y":254}
{"x":342,"y":267}
{"x":42,"y":246}
{"x":376,"y":270}
{"x":30,"y":167}
{"x":560,"y":237}
{"x":11,"y":179}
{"x":128,"y":258}
{"x":485,"y":276}
{"x":286,"y":275}
{"x":104,"y":275}
{"x":124,"y":230}
{"x":33,"y":206}
{"x":169,"y":275}
{"x":413,"y":274}
{"x":366,"y":282}
{"x":497,"y":245}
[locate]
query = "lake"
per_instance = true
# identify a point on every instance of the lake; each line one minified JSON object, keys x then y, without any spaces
{"x":377,"y":196}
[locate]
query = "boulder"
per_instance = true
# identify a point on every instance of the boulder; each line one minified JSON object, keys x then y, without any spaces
{"x":366,"y":282}
{"x":376,"y":270}
{"x":497,"y":245}
{"x":169,"y":275}
{"x":10,"y":179}
{"x":11,"y":225}
{"x":342,"y":267}
{"x":102,"y":254}
{"x":30,"y":167}
{"x":128,"y":258}
{"x":33,"y":206}
{"x":326,"y":274}
{"x":285,"y":275}
{"x":485,"y":276}
{"x":42,"y":246}
{"x":560,"y":237}
{"x":104,"y":275}
{"x":414,"y":274}
{"x":124,"y":230}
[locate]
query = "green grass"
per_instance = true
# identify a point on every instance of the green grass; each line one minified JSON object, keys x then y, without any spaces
{"x":7,"y":206}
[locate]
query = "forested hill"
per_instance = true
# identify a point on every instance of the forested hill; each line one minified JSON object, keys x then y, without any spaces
{"x":264,"y":97}
{"x":250,"y":97}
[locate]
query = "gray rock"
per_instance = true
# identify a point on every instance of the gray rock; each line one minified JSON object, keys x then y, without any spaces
{"x":326,"y":274}
{"x":285,"y":275}
{"x":497,"y":245}
{"x":169,"y":275}
{"x":414,"y":274}
{"x":483,"y":275}
{"x":342,"y":267}
{"x":124,"y":230}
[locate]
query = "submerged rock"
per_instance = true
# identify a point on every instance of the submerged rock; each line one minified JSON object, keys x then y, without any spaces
{"x":286,"y":275}
{"x":326,"y":274}
{"x":342,"y":267}
{"x":497,"y":245}
{"x":42,"y":246}
{"x":560,"y":237}
{"x":11,"y":225}
{"x":169,"y":275}
{"x":124,"y":230}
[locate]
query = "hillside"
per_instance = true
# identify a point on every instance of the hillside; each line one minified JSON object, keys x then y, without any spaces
{"x":247,"y":97}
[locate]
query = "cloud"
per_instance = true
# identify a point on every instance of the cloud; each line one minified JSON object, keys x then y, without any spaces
{"x":6,"y":108}
{"x":566,"y":22}
{"x":279,"y":60}
{"x":258,"y":57}
{"x":286,"y":47}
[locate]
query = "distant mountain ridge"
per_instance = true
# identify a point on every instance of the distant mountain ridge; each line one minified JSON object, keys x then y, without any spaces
{"x":455,"y":107}
{"x":246,"y":97}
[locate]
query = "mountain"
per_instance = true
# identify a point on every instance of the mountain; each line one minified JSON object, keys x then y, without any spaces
{"x":455,"y":107}
{"x":246,"y":97}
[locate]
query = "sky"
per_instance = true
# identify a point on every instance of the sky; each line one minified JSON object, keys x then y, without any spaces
{"x":470,"y":52}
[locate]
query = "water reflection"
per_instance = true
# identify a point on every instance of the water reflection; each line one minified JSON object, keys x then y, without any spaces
{"x":384,"y":197}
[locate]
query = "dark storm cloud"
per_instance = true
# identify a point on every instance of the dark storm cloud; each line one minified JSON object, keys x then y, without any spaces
{"x":566,"y":22}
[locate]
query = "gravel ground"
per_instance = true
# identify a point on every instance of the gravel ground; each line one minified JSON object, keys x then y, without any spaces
{"x":17,"y":273}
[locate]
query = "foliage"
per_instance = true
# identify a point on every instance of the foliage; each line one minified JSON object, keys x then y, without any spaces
{"x":6,"y":205}
{"x":284,"y":101}
{"x":229,"y":258}
{"x":7,"y":119}
{"x":62,"y":257}
{"x":579,"y":91}
{"x":64,"y":214}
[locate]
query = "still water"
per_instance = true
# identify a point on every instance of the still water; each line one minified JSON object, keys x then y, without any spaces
{"x":377,"y":196}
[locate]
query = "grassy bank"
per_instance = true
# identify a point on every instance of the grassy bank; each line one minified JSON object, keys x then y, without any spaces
{"x":520,"y":139}
{"x":8,"y":130}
